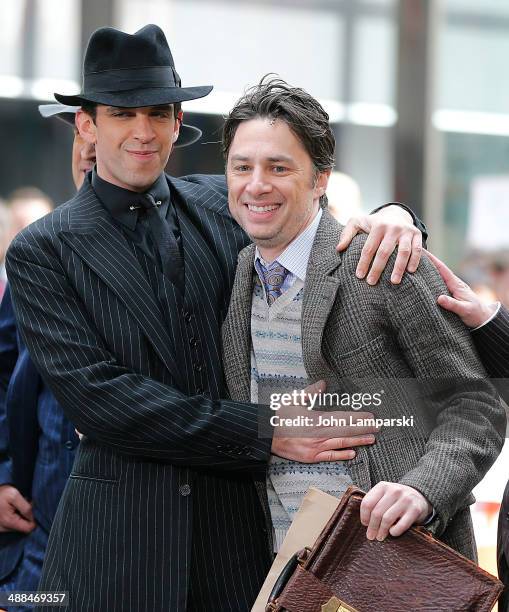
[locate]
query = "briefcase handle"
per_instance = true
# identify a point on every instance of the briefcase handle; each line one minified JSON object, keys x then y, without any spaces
{"x":284,"y":577}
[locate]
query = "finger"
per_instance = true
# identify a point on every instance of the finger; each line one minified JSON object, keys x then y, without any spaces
{"x":383,"y":253}
{"x":347,"y":442}
{"x":385,"y":503}
{"x":368,"y":252}
{"x":329,"y":432}
{"x":15,"y":522}
{"x":317,"y":387}
{"x":391,"y":516}
{"x":334,"y":455}
{"x":406,"y":520}
{"x":351,"y":229}
{"x":20,"y":504}
{"x":369,"y":501}
{"x":448,"y":276}
{"x":402,"y":258}
{"x":456,"y":306}
{"x":415,"y":257}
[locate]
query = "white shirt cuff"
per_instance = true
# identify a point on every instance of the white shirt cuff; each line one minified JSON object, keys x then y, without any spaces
{"x":488,"y":320}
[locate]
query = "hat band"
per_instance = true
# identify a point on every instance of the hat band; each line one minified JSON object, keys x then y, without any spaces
{"x":132,"y":78}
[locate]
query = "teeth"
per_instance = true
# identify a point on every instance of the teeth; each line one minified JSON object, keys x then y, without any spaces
{"x":261,"y":208}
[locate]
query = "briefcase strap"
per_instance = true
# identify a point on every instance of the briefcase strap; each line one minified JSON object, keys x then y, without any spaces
{"x":306,"y":593}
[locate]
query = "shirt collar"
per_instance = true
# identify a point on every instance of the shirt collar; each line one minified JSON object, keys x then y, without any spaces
{"x":119,"y":201}
{"x":296,"y":255}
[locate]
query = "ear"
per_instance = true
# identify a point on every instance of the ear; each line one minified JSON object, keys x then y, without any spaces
{"x":176,"y":127}
{"x":321,"y":183}
{"x":86,"y":127}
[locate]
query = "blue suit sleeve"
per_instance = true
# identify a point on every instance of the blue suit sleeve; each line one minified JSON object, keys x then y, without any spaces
{"x":8,"y":358}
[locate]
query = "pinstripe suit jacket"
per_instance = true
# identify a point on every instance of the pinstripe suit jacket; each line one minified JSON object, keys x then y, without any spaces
{"x":356,"y":337}
{"x":160,"y":504}
{"x":492,"y":343}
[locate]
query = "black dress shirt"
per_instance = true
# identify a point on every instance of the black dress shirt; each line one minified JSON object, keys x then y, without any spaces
{"x":124,"y":206}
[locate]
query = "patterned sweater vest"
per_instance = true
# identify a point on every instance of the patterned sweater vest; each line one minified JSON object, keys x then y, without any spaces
{"x":277,"y":367}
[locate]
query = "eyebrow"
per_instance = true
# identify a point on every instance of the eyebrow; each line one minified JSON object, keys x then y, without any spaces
{"x":159,"y":107}
{"x":273,"y":159}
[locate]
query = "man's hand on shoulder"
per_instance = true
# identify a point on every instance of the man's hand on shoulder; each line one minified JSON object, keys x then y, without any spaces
{"x":392,"y":508}
{"x":390,"y":227}
{"x":464,"y":302}
{"x":15,"y":511}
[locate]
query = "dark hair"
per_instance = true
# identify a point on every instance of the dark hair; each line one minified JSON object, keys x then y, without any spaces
{"x":91,"y":108}
{"x":273,"y":98}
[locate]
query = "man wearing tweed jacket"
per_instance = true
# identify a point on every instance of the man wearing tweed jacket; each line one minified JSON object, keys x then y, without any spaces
{"x":298,"y":313}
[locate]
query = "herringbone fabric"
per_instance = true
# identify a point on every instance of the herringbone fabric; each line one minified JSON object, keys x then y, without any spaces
{"x":365,"y":339}
{"x":160,"y":505}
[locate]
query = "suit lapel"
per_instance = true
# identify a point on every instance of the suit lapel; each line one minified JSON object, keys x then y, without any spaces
{"x":237,"y":329}
{"x":97,"y":240}
{"x":320,"y":292}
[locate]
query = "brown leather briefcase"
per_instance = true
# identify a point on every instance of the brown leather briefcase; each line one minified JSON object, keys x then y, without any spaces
{"x":346,"y":572}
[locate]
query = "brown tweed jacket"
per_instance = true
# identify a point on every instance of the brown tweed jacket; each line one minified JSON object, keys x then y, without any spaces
{"x":361,"y":338}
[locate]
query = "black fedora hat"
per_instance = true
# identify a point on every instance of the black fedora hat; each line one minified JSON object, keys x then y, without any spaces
{"x":131,"y":70}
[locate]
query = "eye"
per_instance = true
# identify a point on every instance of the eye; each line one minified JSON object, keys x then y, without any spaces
{"x":241,"y":168}
{"x":280,"y":169}
{"x":122,"y":114}
{"x":161,"y":114}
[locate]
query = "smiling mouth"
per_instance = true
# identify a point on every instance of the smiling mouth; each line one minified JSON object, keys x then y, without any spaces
{"x":262,"y":208}
{"x":142,"y":153}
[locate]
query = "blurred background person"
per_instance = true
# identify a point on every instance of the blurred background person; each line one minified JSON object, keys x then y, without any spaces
{"x":26,"y":205}
{"x":343,"y":197}
{"x":4,"y":243}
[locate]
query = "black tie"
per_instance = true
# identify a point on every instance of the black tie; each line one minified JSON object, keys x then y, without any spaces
{"x":167,"y":249}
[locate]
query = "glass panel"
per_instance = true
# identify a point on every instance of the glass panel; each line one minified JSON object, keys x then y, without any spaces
{"x":471,"y":68}
{"x":374,"y":60}
{"x":480,"y":7}
{"x":57,"y":45}
{"x":11,"y":25}
{"x":470,"y":157}
{"x":302,"y":45}
{"x":366,"y":155}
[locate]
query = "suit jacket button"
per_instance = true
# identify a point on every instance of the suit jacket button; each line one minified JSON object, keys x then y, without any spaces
{"x":69,"y":445}
{"x":185,"y":490}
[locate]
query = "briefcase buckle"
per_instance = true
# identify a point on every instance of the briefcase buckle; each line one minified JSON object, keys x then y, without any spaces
{"x":336,"y":605}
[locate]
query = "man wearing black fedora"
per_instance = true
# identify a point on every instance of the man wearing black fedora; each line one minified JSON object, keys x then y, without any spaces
{"x":120,"y":296}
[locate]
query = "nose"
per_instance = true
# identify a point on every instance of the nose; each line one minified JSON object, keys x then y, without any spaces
{"x":142,"y":128}
{"x":258,"y":183}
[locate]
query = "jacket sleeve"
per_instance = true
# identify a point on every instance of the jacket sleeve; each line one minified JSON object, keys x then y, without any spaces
{"x":8,"y":358}
{"x":470,"y":421}
{"x":109,"y":403}
{"x":492,"y":344}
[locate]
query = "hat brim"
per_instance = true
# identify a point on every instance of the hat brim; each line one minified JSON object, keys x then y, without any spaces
{"x":59,"y":111}
{"x":188,"y":135}
{"x":134,"y":98}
